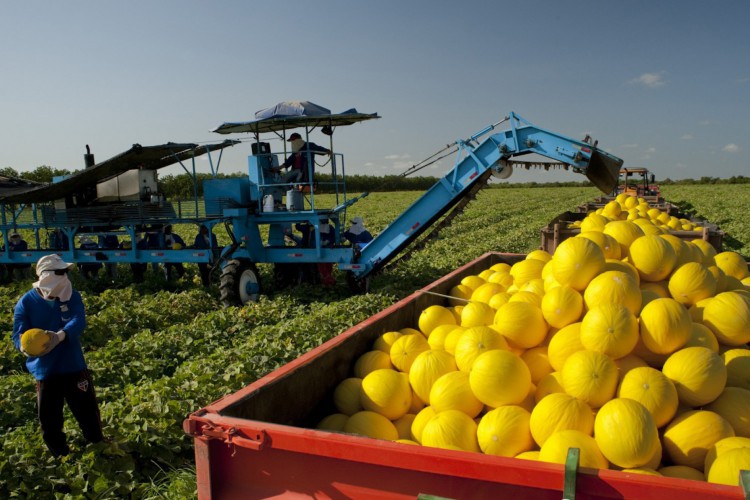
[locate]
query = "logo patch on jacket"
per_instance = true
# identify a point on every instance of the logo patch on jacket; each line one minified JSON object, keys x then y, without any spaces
{"x":83,"y":385}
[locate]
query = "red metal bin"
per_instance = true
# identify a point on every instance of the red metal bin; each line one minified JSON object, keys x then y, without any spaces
{"x":260,"y":442}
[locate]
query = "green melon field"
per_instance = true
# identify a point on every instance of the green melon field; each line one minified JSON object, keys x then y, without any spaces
{"x":159,"y":351}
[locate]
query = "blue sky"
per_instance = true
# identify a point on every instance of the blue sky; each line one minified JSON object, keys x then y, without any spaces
{"x":661,"y":84}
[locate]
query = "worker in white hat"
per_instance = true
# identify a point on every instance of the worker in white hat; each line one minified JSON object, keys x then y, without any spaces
{"x":60,"y":370}
{"x":357,"y":234}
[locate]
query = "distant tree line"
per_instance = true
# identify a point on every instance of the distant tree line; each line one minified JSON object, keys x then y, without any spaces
{"x":182,"y":186}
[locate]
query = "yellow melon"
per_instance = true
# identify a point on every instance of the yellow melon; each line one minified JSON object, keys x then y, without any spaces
{"x":701,"y":336}
{"x":627,"y":363}
{"x":334,"y":422}
{"x":691,"y":283}
{"x":537,"y":361}
{"x":557,"y":412}
{"x":499,"y":368}
{"x":484,"y":293}
{"x":613,"y":287}
{"x":625,"y":232}
{"x":727,"y":466}
{"x":386,"y":392}
{"x":459,"y":295}
{"x":549,"y":384}
{"x":34,"y":341}
{"x":372,"y":425}
{"x":610,"y":328}
{"x":698,"y":374}
{"x":504,"y":432}
{"x":434,"y":316}
{"x":371,"y":361}
{"x":474,"y":342}
{"x":728,"y":316}
{"x":732,"y":264}
{"x":565,"y":342}
{"x":420,"y":420}
{"x":733,"y":404}
{"x":682,"y":472}
{"x":626,"y":433}
{"x":723,"y":445}
{"x":522,"y":323}
{"x":452,"y":391}
{"x":477,"y":314}
{"x":690,"y":435}
{"x":427,"y":367}
{"x":665,"y":326}
{"x":708,"y":252}
{"x":607,"y":243}
{"x":406,"y":349}
{"x":562,"y":306}
{"x":621,"y":265}
{"x":590,"y":376}
{"x":653,"y":257}
{"x":451,"y":429}
{"x":525,"y":270}
{"x":576,"y":262}
{"x":653,"y":390}
{"x":556,"y":448}
{"x":346,"y":396}
{"x":737,"y":362}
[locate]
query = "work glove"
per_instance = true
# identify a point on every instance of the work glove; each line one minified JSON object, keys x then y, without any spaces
{"x":54,"y":339}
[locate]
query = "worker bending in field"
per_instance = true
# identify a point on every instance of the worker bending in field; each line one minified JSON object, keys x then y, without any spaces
{"x":297,"y":162}
{"x":357,"y":235}
{"x":60,"y":370}
{"x":91,"y":269}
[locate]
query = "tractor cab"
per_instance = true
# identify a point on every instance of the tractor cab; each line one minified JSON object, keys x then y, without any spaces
{"x":638,"y":182}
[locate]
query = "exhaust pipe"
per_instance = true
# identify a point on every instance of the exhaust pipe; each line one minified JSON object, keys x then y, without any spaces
{"x":88,"y":158}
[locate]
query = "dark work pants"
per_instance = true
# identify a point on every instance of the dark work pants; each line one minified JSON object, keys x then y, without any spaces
{"x":77,"y":389}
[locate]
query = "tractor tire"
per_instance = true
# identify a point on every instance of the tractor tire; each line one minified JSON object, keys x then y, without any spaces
{"x":240,"y":283}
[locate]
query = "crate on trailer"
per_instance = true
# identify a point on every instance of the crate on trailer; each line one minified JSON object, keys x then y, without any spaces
{"x":260,"y":441}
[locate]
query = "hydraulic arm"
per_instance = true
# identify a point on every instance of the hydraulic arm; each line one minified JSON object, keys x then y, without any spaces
{"x":476,"y":160}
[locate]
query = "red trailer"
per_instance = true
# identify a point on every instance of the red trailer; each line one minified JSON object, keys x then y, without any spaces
{"x":260,"y":442}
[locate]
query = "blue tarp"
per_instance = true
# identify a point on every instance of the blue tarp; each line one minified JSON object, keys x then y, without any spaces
{"x":289,"y":115}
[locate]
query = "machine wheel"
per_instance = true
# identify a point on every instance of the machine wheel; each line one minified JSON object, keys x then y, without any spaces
{"x":240,"y":283}
{"x":357,"y":285}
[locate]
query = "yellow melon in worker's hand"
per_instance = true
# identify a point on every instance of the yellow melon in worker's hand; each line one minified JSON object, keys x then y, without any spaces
{"x":386,"y":392}
{"x":556,"y":448}
{"x":728,"y":316}
{"x":499,"y":377}
{"x":557,"y":412}
{"x":590,"y":376}
{"x":665,"y":326}
{"x":610,"y":328}
{"x":691,"y":283}
{"x":34,"y":340}
{"x":562,"y":306}
{"x":653,"y":257}
{"x":452,"y":391}
{"x":652,"y":389}
{"x":698,"y":374}
{"x":427,"y":367}
{"x":626,"y":433}
{"x":504,"y":432}
{"x":576,"y":262}
{"x":688,"y":438}
{"x":451,"y":429}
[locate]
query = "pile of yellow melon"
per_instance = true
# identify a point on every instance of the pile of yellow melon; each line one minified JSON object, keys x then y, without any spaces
{"x":624,"y":207}
{"x":628,"y":345}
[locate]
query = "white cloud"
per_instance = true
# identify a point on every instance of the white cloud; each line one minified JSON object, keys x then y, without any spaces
{"x":397,"y":157}
{"x":687,"y":137}
{"x":629,"y":146}
{"x":650,"y":79}
{"x":731,"y":148}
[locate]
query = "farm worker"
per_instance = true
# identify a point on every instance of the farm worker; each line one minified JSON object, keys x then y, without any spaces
{"x":60,"y":370}
{"x":18,"y":244}
{"x":58,"y":240}
{"x":173,"y":242}
{"x":137,"y":268}
{"x":206,"y":240}
{"x":297,"y":162}
{"x":88,"y":270}
{"x":357,"y":235}
{"x":109,"y":242}
{"x":325,"y":269}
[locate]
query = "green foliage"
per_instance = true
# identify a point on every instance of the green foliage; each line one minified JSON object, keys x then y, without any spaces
{"x":160,"y":351}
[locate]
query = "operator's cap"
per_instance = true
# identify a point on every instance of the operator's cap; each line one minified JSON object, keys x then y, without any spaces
{"x":15,"y":235}
{"x":293,"y":137}
{"x":357,"y":220}
{"x":52,"y":262}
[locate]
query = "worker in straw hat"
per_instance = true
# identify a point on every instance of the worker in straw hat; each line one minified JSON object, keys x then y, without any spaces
{"x":357,"y":234}
{"x":60,"y":370}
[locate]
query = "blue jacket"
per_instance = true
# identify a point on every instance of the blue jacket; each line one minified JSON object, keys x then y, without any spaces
{"x":33,"y":311}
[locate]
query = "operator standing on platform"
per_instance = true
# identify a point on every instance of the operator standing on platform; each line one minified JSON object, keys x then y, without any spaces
{"x":60,"y":370}
{"x":297,"y":162}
